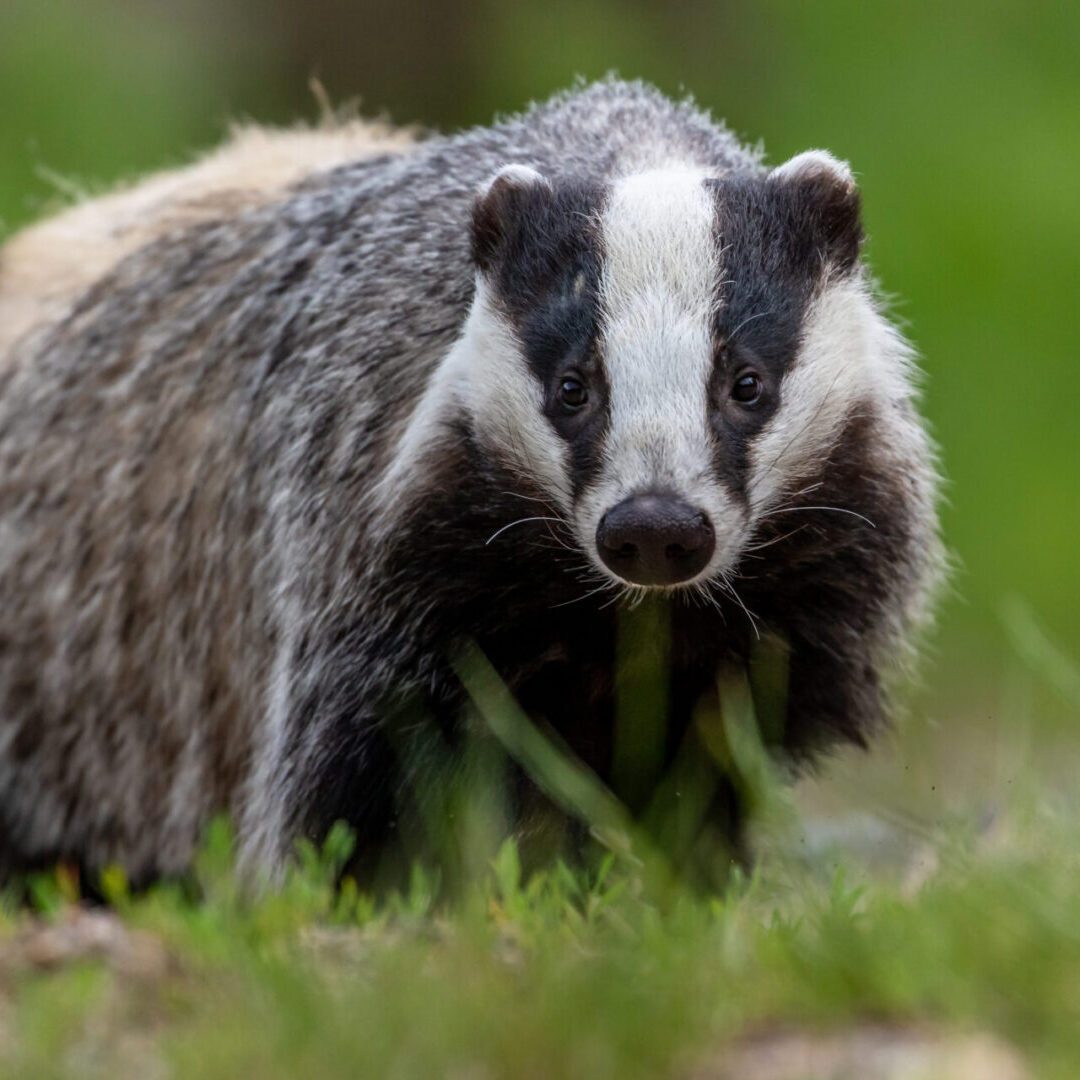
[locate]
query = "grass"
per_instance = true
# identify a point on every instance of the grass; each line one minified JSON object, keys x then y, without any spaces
{"x":563,"y":974}
{"x":875,"y":905}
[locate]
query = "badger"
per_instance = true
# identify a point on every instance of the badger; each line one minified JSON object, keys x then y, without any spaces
{"x":282,"y":432}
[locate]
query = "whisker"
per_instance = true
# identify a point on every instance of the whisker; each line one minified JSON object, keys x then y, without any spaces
{"x":592,"y":592}
{"x":776,"y":539}
{"x":836,"y":509}
{"x":530,"y":498}
{"x":702,"y":589}
{"x":738,"y":600}
{"x":520,"y":521}
{"x":749,"y":319}
{"x":621,"y":594}
{"x":805,"y":490}
{"x":558,"y":539}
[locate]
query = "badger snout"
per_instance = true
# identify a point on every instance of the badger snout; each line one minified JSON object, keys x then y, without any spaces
{"x":655,"y":540}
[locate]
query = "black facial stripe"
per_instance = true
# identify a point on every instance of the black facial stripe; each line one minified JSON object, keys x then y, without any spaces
{"x":734,"y":425}
{"x":546,"y":273}
{"x":826,"y":580}
{"x":770,"y":271}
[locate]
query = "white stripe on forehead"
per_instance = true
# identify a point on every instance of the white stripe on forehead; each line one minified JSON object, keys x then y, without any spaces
{"x":660,"y":272}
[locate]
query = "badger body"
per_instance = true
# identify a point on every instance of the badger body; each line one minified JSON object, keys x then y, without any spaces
{"x":265,"y":472}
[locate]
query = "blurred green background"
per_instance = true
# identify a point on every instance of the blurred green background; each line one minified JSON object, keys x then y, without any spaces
{"x":962,"y":121}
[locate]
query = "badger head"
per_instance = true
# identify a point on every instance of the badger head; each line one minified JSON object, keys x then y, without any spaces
{"x":672,"y":357}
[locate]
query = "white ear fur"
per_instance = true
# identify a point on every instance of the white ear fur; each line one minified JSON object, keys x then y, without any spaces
{"x":516,"y":177}
{"x":813,"y":163}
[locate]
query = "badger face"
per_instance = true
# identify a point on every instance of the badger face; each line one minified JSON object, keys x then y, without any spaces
{"x":671,"y":355}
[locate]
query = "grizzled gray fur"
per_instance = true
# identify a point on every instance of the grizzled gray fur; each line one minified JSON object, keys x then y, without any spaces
{"x":254,"y":472}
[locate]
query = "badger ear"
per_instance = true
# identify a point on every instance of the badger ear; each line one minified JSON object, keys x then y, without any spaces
{"x":826,"y":199}
{"x":500,"y":202}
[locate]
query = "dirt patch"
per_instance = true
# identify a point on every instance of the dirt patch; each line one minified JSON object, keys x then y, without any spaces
{"x":84,"y":934}
{"x":866,"y":1053}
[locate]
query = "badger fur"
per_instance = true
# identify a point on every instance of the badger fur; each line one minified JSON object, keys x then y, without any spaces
{"x":271,"y":450}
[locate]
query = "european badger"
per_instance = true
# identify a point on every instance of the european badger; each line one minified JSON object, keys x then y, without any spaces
{"x":280,"y":432}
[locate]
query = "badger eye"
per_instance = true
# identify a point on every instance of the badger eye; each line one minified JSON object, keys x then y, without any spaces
{"x":572,"y":394}
{"x":748,"y":388}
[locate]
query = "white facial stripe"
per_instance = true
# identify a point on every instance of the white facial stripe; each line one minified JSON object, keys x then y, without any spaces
{"x":486,"y":374}
{"x":500,"y":387}
{"x":849,"y":354}
{"x":658,"y":289}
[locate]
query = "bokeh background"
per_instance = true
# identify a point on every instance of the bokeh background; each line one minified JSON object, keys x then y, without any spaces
{"x":961,"y":120}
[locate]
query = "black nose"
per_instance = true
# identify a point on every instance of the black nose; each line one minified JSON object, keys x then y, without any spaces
{"x":655,"y":540}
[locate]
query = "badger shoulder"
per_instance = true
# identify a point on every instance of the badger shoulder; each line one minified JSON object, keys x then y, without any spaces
{"x":47,"y":265}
